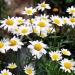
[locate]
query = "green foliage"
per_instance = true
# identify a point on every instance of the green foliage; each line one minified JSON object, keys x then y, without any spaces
{"x":3,"y":9}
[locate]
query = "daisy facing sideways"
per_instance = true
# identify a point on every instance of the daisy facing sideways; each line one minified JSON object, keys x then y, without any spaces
{"x":43,"y":6}
{"x":29,"y":11}
{"x":37,"y":48}
{"x":57,"y":20}
{"x":14,"y":44}
{"x":11,"y":66}
{"x":55,"y":55}
{"x":67,"y":65}
{"x":71,"y":10}
{"x":3,"y":46}
{"x":5,"y":72}
{"x":29,"y":69}
{"x":65,"y":52}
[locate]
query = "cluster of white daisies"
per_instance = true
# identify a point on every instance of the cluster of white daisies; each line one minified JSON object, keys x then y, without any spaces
{"x":41,"y":25}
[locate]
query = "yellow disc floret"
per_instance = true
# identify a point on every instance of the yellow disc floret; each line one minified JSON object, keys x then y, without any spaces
{"x":12,"y":42}
{"x":72,"y":19}
{"x":67,"y":65}
{"x":38,"y":47}
{"x":56,"y":21}
{"x":9,"y":22}
{"x":1,"y":44}
{"x":28,"y":71}
{"x":42,"y":24}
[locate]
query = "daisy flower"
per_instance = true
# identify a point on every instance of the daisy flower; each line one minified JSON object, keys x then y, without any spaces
{"x":29,"y":11}
{"x":65,"y":52}
{"x":5,"y":72}
{"x":19,"y":20}
{"x":14,"y":44}
{"x":71,"y":21}
{"x":29,"y":69}
{"x":57,"y":20}
{"x":67,"y":65}
{"x":9,"y":23}
{"x":43,"y":17}
{"x":24,"y":30}
{"x":37,"y":48}
{"x":29,"y":22}
{"x":71,"y":10}
{"x":55,"y":55}
{"x":11,"y":66}
{"x":15,"y":30}
{"x":65,"y":20}
{"x":3,"y":46}
{"x":42,"y":24}
{"x":43,"y":6}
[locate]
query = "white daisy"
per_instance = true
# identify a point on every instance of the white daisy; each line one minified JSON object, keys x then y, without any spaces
{"x":67,"y":65}
{"x":42,"y":24}
{"x":19,"y":20}
{"x":14,"y":43}
{"x":37,"y":48}
{"x":71,"y":21}
{"x":29,"y":11}
{"x":65,"y":20}
{"x":43,"y":6}
{"x":65,"y":52}
{"x":57,"y":20}
{"x":24,"y":30}
{"x":43,"y":17}
{"x":5,"y":72}
{"x":9,"y":23}
{"x":11,"y":66}
{"x":29,"y":70}
{"x":30,"y":22}
{"x":71,"y":10}
{"x":3,"y":46}
{"x":55,"y":55}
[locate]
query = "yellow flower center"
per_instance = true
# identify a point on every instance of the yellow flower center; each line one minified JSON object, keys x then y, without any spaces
{"x":72,"y":11}
{"x":1,"y":44}
{"x":29,"y":11}
{"x":5,"y":73}
{"x":67,"y":65}
{"x":20,"y":21}
{"x":56,"y":21}
{"x":12,"y":42}
{"x":55,"y":56}
{"x":38,"y":47}
{"x":72,"y":19}
{"x":25,"y":30}
{"x":42,"y":24}
{"x":43,"y":5}
{"x":28,"y":71}
{"x":9,"y":22}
